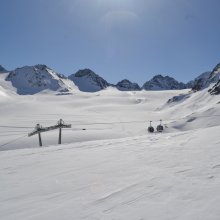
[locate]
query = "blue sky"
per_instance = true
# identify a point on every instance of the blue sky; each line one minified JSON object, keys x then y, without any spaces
{"x":118,"y":39}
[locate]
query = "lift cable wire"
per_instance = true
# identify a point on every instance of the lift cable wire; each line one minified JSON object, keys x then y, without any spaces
{"x":6,"y":126}
{"x":14,"y":140}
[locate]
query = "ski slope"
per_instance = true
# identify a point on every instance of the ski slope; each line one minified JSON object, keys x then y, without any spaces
{"x":107,"y":114}
{"x":113,"y":169}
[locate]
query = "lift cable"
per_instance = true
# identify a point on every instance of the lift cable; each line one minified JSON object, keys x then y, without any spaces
{"x":14,"y":140}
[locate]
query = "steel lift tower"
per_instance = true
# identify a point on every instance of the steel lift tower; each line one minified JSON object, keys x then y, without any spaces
{"x":39,"y":129}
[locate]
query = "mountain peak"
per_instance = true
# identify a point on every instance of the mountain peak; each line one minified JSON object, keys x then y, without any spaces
{"x":85,"y":72}
{"x":215,"y":78}
{"x":41,"y":66}
{"x":33,"y":79}
{"x":88,"y":81}
{"x":127,"y":85}
{"x":215,"y":74}
{"x":206,"y":79}
{"x":160,"y":82}
{"x":200,"y":82}
{"x":159,"y":76}
{"x":217,"y":67}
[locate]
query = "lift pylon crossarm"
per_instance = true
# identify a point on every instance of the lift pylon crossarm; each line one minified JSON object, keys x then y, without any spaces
{"x":61,"y":124}
{"x":65,"y":126}
{"x":40,"y":130}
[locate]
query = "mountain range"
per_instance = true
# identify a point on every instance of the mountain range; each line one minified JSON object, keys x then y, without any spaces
{"x":30,"y":80}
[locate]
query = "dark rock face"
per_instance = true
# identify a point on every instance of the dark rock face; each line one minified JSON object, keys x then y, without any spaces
{"x":179,"y":98}
{"x":215,"y":90}
{"x":88,"y":81}
{"x":199,"y":82}
{"x":160,"y":82}
{"x":215,"y":72}
{"x":126,"y":85}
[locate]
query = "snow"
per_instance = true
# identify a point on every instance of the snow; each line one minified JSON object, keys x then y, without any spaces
{"x":215,"y":90}
{"x":30,"y":80}
{"x":114,"y":169}
{"x":169,"y":176}
{"x":88,"y":81}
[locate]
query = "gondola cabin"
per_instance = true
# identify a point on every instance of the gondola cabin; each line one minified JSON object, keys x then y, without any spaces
{"x":150,"y":128}
{"x":160,"y":127}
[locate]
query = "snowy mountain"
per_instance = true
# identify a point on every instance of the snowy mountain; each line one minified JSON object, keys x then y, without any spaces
{"x":199,"y":82}
{"x":215,"y":74}
{"x":215,"y":77}
{"x":126,"y":85}
{"x":160,"y":82}
{"x":206,"y":79}
{"x":2,"y":69}
{"x":29,"y":80}
{"x":215,"y":90}
{"x":88,"y":81}
{"x":34,"y":79}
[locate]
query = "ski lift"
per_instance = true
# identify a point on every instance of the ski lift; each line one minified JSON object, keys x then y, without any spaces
{"x":38,"y":127}
{"x":150,"y":128}
{"x":160,"y":127}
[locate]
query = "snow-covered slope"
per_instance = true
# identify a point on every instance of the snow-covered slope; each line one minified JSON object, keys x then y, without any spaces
{"x":126,"y":85}
{"x":160,"y":82}
{"x":87,"y":81}
{"x":198,"y":110}
{"x":215,"y":90}
{"x":108,"y":166}
{"x":172,"y":176}
{"x":29,"y":80}
{"x":3,"y":94}
{"x":113,"y":169}
{"x":105,"y":114}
